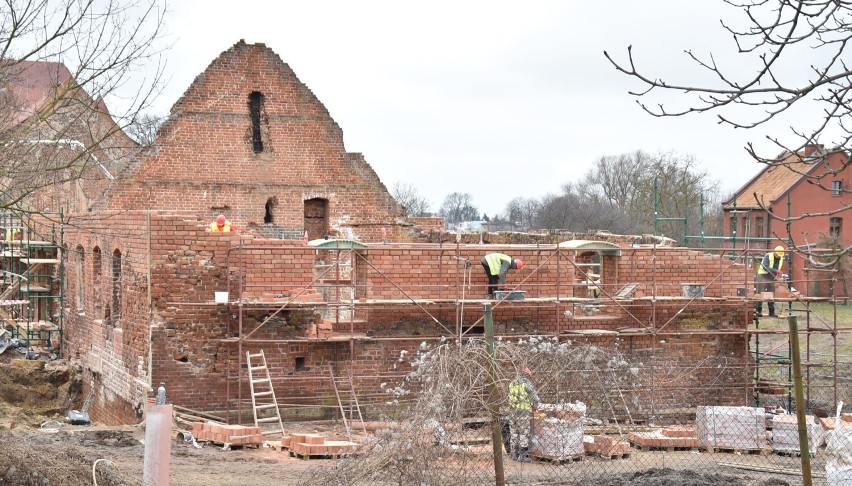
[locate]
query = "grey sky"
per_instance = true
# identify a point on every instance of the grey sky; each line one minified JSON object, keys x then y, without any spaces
{"x":496,"y":99}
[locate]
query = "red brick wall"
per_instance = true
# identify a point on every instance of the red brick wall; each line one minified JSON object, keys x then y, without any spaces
{"x":192,"y":351}
{"x":205,"y":162}
{"x":113,"y":351}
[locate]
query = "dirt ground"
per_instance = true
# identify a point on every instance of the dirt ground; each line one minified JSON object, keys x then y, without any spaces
{"x":65,"y":457}
{"x":37,"y":447}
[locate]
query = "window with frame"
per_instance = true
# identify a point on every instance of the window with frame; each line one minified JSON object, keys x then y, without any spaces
{"x":746,"y":227}
{"x":758,"y":227}
{"x":836,"y":188}
{"x":835,"y":227}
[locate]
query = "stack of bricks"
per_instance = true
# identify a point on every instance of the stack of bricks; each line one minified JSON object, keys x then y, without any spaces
{"x":321,"y":330}
{"x":605,"y":446}
{"x":226,"y":434}
{"x":731,"y":427}
{"x":665,"y":438}
{"x":785,"y":433}
{"x":316,"y":445}
{"x":829,"y":423}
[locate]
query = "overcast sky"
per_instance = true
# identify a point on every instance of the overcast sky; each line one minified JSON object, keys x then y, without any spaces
{"x":496,"y":99}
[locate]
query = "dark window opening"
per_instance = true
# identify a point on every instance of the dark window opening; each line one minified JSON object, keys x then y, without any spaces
{"x":255,"y":102}
{"x":758,"y":227}
{"x":116,"y":287}
{"x":79,"y":268}
{"x":96,"y":282}
{"x":300,"y":364}
{"x":269,"y":217}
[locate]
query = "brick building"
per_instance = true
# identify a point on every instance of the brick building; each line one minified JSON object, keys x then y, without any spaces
{"x":808,"y":183}
{"x":248,"y":139}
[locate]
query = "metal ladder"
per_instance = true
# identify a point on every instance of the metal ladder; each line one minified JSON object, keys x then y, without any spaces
{"x":263,"y":395}
{"x":353,"y":399}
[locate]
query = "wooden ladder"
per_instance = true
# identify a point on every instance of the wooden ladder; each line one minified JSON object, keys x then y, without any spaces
{"x":263,"y":396}
{"x":345,"y":385}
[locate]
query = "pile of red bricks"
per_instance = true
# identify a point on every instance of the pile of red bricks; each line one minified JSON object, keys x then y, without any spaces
{"x":665,"y":438}
{"x":321,"y":330}
{"x":226,"y":434}
{"x":317,"y":445}
{"x":605,"y":446}
{"x":828,"y":423}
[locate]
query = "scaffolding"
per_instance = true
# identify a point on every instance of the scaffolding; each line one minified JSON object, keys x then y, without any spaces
{"x":32,"y":280}
{"x":588,"y":301}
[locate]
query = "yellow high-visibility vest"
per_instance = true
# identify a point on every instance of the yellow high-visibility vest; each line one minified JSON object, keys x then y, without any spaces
{"x":772,"y":256}
{"x":226,"y":228}
{"x":518,"y":396}
{"x":495,"y":262}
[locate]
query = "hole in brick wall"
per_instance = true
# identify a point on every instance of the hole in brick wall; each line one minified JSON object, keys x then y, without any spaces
{"x":182,"y":358}
{"x":300,"y":364}
{"x":269,"y":217}
{"x":255,"y":102}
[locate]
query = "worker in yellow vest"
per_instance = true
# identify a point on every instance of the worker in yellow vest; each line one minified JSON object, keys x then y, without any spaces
{"x":496,"y":266}
{"x":221,"y":225}
{"x":768,"y":272}
{"x":523,"y":400}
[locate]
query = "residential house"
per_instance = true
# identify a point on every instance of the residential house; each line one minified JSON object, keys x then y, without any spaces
{"x":801,"y":201}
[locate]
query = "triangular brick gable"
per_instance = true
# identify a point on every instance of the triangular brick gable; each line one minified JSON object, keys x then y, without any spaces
{"x":205,"y":161}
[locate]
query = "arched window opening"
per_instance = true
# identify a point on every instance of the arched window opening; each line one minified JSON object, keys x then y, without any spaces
{"x":269,"y":217}
{"x":79,"y":283}
{"x":116,"y":287}
{"x":97,"y":281}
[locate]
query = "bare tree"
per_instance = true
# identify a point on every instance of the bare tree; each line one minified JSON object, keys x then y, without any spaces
{"x":574,"y":211}
{"x":522,"y":211}
{"x":61,"y":61}
{"x":144,"y":129}
{"x":776,"y":33}
{"x":458,"y":207}
{"x":409,"y":198}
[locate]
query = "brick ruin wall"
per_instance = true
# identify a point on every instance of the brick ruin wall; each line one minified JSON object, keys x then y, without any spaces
{"x":188,"y":333}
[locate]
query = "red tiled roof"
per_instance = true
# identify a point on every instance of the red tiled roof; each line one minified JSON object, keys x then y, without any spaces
{"x":32,"y":83}
{"x":773,"y":181}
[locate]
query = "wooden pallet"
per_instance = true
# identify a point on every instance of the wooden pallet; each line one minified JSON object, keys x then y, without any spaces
{"x":303,"y":456}
{"x":557,"y":459}
{"x":782,"y":452}
{"x":277,"y":445}
{"x":665,"y":448}
{"x":733,"y":450}
{"x":612,"y":457}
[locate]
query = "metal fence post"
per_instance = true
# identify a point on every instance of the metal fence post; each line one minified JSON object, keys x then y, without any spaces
{"x":496,"y":433}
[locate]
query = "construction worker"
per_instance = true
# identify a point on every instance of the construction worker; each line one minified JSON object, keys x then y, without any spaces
{"x":496,"y":265}
{"x":767,"y":273}
{"x":221,"y":225}
{"x":523,"y":400}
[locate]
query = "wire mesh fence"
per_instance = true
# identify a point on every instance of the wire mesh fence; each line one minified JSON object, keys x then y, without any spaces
{"x":597,"y":415}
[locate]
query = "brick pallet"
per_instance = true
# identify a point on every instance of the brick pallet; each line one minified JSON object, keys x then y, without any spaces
{"x":235,"y":435}
{"x":557,"y":459}
{"x":315,"y":446}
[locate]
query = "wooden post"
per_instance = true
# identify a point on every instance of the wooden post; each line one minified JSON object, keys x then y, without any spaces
{"x":496,"y":433}
{"x":801,"y":413}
